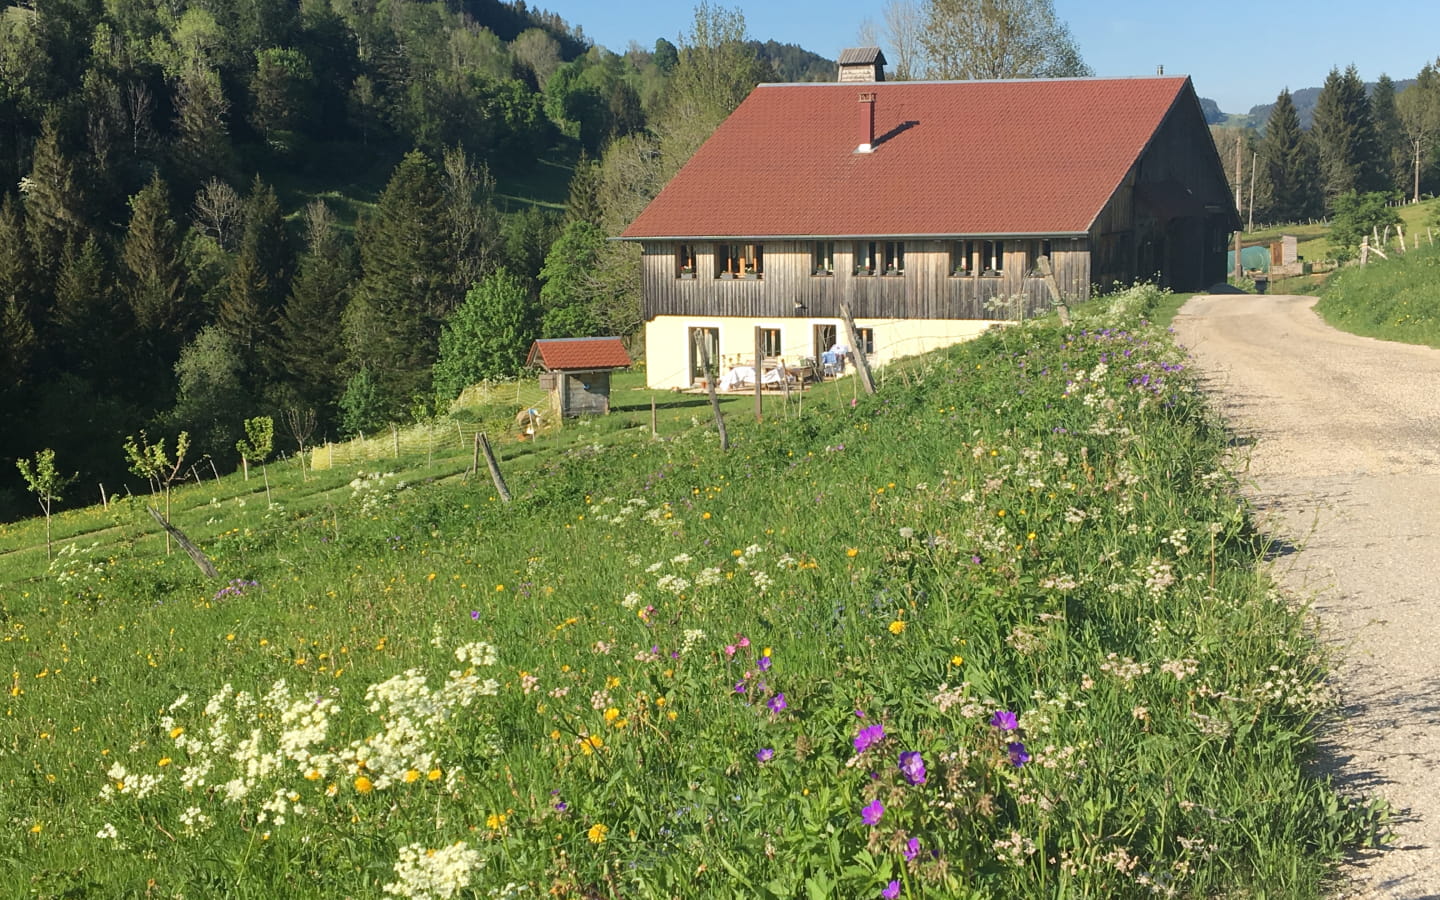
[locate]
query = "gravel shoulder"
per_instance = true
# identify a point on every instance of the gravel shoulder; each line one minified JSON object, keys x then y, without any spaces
{"x":1343,"y":465}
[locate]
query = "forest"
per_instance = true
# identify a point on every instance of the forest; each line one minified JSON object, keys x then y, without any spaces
{"x":338,"y":213}
{"x":222,"y":209}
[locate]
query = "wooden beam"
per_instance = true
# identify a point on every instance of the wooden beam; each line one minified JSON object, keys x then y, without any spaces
{"x":710,"y":387}
{"x":852,"y":337}
{"x":201,"y":560}
{"x":1043,"y":263}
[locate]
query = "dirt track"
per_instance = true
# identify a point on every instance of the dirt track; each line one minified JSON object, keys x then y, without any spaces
{"x":1345,"y":468}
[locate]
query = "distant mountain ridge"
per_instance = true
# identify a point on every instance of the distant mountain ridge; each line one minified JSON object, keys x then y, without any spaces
{"x":1305,"y":103}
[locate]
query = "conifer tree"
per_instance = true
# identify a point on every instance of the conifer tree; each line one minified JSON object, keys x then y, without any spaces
{"x":16,"y":272}
{"x":89,"y":331}
{"x":54,"y":208}
{"x":309,"y":345}
{"x":1288,"y":166}
{"x":392,"y":324}
{"x":1391,"y":146}
{"x":155,"y":289}
{"x":259,"y":279}
{"x":202,"y":147}
{"x":1344,"y":133}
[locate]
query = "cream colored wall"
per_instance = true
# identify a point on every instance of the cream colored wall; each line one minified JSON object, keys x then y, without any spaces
{"x":667,"y":341}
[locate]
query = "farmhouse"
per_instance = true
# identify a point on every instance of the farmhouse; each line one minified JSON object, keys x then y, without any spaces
{"x":924,"y":208}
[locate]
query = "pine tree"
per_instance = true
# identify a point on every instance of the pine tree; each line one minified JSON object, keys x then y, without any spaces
{"x":151,"y":254}
{"x":89,"y":330}
{"x":1345,"y":135}
{"x":1288,"y":166}
{"x":16,"y":273}
{"x":309,"y":344}
{"x":392,"y":325}
{"x":202,"y":148}
{"x":1391,"y":145}
{"x":54,"y":208}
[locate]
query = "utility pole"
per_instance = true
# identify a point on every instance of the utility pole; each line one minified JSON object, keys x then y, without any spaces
{"x":1239,"y":267}
{"x":1254,"y":160}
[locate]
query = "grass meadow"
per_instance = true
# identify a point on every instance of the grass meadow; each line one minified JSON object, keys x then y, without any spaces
{"x":1396,"y":299}
{"x":999,"y":630}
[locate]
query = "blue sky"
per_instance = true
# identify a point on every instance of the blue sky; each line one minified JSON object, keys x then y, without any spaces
{"x":1239,"y":53}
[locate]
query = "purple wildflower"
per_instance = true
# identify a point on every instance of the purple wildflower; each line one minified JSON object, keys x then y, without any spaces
{"x":739,"y":687}
{"x":475,"y":614}
{"x":868,"y":737}
{"x":912,"y":766}
{"x":891,"y":891}
{"x":764,"y":663}
{"x":764,"y":754}
{"x":1005,"y":720}
{"x":777,"y":703}
{"x":872,"y":812}
{"x":912,"y":849}
{"x":1018,"y":754}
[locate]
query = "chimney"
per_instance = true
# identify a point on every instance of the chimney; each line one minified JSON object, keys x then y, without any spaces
{"x":1160,"y":70}
{"x":867,"y":123}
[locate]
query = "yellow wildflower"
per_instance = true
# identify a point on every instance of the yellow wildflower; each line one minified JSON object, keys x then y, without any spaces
{"x":597,"y":833}
{"x":897,"y":627}
{"x":364,"y":785}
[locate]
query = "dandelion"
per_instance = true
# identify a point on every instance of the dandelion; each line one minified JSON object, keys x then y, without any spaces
{"x":870,"y":814}
{"x":891,"y":891}
{"x":912,"y":767}
{"x":764,"y":754}
{"x":868,"y":737}
{"x":1018,"y":755}
{"x":957,"y":660}
{"x":897,"y":627}
{"x":364,"y":785}
{"x":597,"y":833}
{"x":852,"y":552}
{"x":1005,"y":720}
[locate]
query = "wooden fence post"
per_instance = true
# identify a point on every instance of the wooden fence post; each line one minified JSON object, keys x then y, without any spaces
{"x":1043,"y":263}
{"x":759,"y":372}
{"x":495,"y":475}
{"x":201,"y":560}
{"x":654,"y":429}
{"x":857,"y":353}
{"x":710,"y":386}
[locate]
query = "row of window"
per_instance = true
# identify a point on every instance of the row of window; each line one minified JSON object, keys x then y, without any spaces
{"x":870,"y":258}
{"x":824,"y":338}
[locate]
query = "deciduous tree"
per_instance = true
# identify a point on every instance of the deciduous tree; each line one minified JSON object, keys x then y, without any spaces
{"x":974,"y":39}
{"x":487,"y":337}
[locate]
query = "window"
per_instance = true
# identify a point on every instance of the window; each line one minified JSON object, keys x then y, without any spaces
{"x":1034,"y":251}
{"x":962,"y":258}
{"x":822,"y":257}
{"x":739,"y":261}
{"x":685,"y":261}
{"x":711,"y":337}
{"x":992,"y":257}
{"x":879,"y":257}
{"x":866,"y":337}
{"x":769,"y":342}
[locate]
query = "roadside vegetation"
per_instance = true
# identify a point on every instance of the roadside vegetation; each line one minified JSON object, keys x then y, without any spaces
{"x":1394,"y":300}
{"x":997,"y":631}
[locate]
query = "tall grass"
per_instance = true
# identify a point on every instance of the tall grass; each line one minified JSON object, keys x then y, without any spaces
{"x":1395,"y":300}
{"x":997,"y":631}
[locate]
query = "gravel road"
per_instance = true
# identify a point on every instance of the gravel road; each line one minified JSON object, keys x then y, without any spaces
{"x":1344,"y":468}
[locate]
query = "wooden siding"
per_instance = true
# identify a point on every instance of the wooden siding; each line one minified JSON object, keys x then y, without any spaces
{"x":1170,"y":216}
{"x":926,"y":289}
{"x":583,"y":393}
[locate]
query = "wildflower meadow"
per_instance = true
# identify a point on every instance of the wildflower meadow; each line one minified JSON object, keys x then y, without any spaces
{"x":1000,"y":630}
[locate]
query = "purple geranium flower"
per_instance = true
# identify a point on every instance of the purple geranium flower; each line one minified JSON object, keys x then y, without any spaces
{"x":872,"y":812}
{"x":912,"y":849}
{"x":1018,"y":754}
{"x":1005,"y":720}
{"x":764,"y":663}
{"x":912,"y":766}
{"x":777,"y":703}
{"x":765,"y":754}
{"x":739,"y":687}
{"x":868,"y":737}
{"x":891,"y":891}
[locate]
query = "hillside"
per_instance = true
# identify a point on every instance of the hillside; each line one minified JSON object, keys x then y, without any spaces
{"x":1004,"y":611}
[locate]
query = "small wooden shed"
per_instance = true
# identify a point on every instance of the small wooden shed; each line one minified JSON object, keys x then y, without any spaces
{"x":577,"y":372}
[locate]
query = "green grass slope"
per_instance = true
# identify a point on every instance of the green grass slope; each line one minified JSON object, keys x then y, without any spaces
{"x":997,"y":631}
{"x":1395,"y":300}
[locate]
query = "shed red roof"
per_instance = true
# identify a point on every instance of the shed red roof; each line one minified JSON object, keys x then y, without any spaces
{"x":579,"y":354}
{"x":950,"y":158}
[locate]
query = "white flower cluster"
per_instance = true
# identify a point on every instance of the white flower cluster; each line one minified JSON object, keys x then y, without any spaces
{"x":371,"y":492}
{"x":122,"y":781}
{"x":75,"y":568}
{"x":477,"y":653}
{"x":425,"y":874}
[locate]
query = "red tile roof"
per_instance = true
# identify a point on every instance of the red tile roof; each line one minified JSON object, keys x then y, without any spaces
{"x":950,"y":158}
{"x":579,"y":354}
